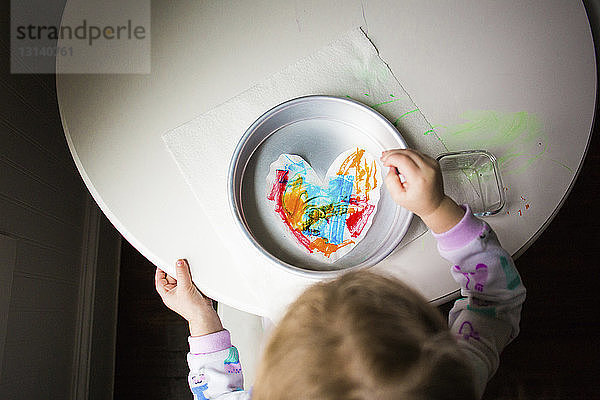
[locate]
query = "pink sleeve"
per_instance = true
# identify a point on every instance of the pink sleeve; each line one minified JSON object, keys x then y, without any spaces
{"x":461,"y":234}
{"x":210,"y":343}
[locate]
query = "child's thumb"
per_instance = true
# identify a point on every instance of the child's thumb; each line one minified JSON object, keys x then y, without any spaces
{"x":394,"y":184}
{"x":184,"y":278}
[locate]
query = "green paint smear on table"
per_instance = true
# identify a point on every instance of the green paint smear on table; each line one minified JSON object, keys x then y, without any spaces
{"x":516,"y":139}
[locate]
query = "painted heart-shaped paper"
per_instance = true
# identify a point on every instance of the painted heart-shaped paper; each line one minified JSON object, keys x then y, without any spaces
{"x":327,"y":218}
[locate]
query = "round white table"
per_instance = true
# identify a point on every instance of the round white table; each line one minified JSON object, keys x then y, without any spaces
{"x":451,"y":57}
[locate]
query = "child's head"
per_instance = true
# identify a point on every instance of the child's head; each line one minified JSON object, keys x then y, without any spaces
{"x":362,"y":336}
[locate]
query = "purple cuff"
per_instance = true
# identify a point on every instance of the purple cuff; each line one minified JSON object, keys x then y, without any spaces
{"x":461,"y":234}
{"x":210,"y":343}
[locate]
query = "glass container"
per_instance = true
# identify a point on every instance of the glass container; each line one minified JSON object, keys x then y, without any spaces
{"x":473,"y":177}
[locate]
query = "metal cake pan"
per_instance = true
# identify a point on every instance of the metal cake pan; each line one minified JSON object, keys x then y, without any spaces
{"x":317,"y":128}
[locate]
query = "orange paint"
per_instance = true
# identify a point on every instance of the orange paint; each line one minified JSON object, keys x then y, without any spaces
{"x":300,"y":214}
{"x":366,"y":175}
{"x":327,"y":248}
{"x":313,"y":218}
{"x":294,"y":202}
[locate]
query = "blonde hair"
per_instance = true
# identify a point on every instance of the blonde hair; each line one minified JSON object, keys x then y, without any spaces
{"x":362,"y":336}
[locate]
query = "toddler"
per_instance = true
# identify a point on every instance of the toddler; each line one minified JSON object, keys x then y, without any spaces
{"x":366,"y":336}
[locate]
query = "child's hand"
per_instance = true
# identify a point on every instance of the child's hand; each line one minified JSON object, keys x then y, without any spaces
{"x":183,"y":297}
{"x":421,"y":191}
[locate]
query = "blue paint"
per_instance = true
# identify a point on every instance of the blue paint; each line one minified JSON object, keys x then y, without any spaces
{"x":319,"y":201}
{"x":340,"y":189}
{"x":296,"y":167}
{"x":337,"y":193}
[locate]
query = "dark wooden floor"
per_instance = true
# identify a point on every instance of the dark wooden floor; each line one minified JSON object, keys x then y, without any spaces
{"x":151,"y":339}
{"x":556,"y":356}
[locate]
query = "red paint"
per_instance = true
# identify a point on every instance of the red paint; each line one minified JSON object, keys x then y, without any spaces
{"x":357,"y":221}
{"x":358,"y":214}
{"x":304,"y":241}
{"x":278,"y":186}
{"x":520,"y":213}
{"x":523,"y":198}
{"x":526,"y":206}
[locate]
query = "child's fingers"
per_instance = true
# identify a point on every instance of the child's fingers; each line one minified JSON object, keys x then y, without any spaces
{"x":403,"y":163}
{"x":423,"y":160}
{"x":417,"y":157}
{"x":395,"y":155}
{"x":394,"y":185}
{"x":390,"y":151}
{"x":420,"y":159}
{"x":160,"y":281}
{"x":170,"y":280}
{"x":432,"y":162}
{"x":404,"y":152}
{"x":385,"y":154}
{"x":184,"y":277}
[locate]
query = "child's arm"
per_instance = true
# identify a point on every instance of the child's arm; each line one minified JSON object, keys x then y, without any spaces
{"x":487,"y":319}
{"x":215,"y":370}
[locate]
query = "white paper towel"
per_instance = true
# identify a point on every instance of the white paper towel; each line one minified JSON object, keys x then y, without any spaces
{"x":349,"y":67}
